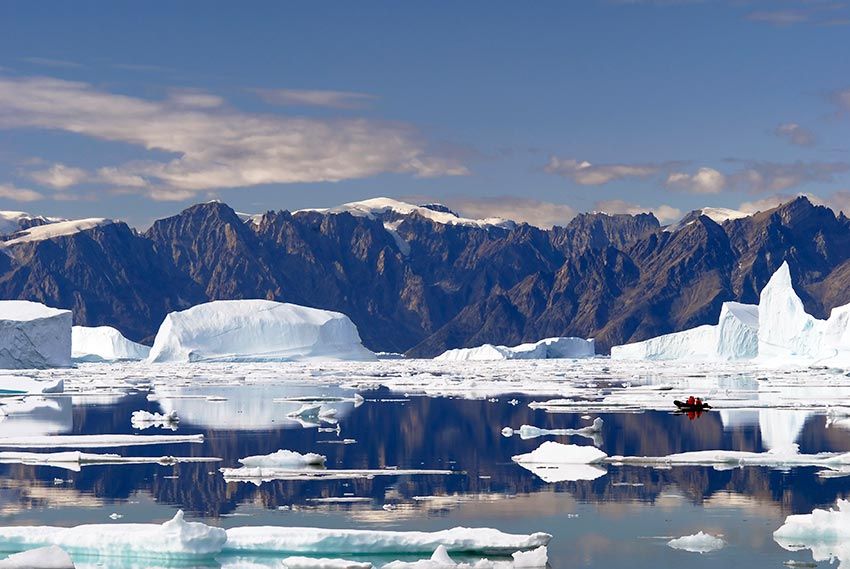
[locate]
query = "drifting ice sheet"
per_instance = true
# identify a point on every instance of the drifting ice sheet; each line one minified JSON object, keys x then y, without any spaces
{"x":256,"y":330}
{"x":33,"y":335}
{"x":104,"y":344}
{"x":550,"y":348}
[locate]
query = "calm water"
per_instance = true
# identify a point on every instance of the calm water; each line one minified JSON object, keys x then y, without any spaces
{"x":623,"y":518}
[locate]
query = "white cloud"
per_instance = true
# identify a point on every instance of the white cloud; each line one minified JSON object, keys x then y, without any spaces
{"x":665,"y":213}
{"x":59,"y":176}
{"x":842,"y":99}
{"x":217,"y":148}
{"x":703,"y":181}
{"x":534,"y":212}
{"x":12,"y":192}
{"x":778,"y":177}
{"x":795,"y":134}
{"x":308,"y":98}
{"x":586,"y":174}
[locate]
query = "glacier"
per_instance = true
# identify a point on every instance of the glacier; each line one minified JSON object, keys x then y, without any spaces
{"x":104,"y":344}
{"x":256,"y":331}
{"x":33,"y":335}
{"x":548,"y":348}
{"x":777,"y":331}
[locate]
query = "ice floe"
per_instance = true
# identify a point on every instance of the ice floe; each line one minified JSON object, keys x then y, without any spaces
{"x":256,"y":330}
{"x":549,"y":348}
{"x":35,"y":415}
{"x":33,"y":335}
{"x":441,"y":559}
{"x":74,"y":460}
{"x":50,"y":557}
{"x":175,"y":538}
{"x":145,"y":419}
{"x":526,"y":432}
{"x":274,"y":539}
{"x":258,"y":475}
{"x":825,"y":532}
{"x":283,"y":459}
{"x":104,"y":344}
{"x":95,"y":441}
{"x":697,"y":543}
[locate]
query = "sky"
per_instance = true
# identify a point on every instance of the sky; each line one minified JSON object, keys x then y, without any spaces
{"x":529,"y":110}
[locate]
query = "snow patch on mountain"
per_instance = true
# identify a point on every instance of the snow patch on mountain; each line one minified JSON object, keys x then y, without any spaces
{"x":57,"y":229}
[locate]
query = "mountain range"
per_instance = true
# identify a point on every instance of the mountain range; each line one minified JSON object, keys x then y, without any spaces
{"x":422,"y":279}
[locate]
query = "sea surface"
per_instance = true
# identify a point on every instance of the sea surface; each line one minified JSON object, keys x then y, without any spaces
{"x":623,"y":517}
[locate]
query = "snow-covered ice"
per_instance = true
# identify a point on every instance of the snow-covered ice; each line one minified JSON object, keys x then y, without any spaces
{"x":259,"y":474}
{"x":274,"y":539}
{"x":33,"y":335}
{"x":697,"y":543}
{"x":50,"y":557}
{"x":175,"y":538}
{"x":549,"y":348}
{"x":104,"y":344}
{"x":283,"y":459}
{"x":35,"y":415}
{"x":95,"y":441}
{"x":256,"y":330}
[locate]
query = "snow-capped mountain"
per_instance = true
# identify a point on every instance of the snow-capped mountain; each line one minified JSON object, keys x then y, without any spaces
{"x":423,"y":279}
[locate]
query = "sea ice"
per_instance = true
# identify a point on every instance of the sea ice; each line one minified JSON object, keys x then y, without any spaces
{"x":697,"y":543}
{"x":274,"y":539}
{"x":283,"y":459}
{"x":529,"y":432}
{"x":258,"y":475}
{"x":256,"y":330}
{"x":323,"y":563}
{"x":104,"y":344}
{"x":175,"y":538}
{"x":33,"y":335}
{"x":74,"y":460}
{"x":95,"y":441}
{"x":50,"y":557}
{"x":441,"y":559}
{"x":144,"y":419}
{"x":35,"y":415}
{"x":549,"y":348}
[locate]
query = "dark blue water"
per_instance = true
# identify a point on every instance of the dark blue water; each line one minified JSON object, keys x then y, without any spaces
{"x":616,"y":520}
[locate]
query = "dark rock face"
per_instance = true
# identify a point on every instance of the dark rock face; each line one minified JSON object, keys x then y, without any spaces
{"x":413,"y":285}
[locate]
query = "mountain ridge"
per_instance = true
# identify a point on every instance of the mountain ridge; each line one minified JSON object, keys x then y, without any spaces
{"x":421,"y":280}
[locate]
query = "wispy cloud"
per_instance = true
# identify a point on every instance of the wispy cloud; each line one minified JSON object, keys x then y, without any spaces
{"x":762,"y":176}
{"x":315,"y":98}
{"x":48,"y":62}
{"x":703,"y":181}
{"x":12,"y":192}
{"x":59,"y":176}
{"x":585,"y":173}
{"x":665,"y":213}
{"x":838,"y":201}
{"x":795,"y":134}
{"x":217,"y":147}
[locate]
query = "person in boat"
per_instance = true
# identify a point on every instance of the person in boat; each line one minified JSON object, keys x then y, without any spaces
{"x":691,"y":401}
{"x":698,"y":403}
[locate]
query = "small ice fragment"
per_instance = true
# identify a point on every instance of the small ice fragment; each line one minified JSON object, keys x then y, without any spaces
{"x":697,"y":543}
{"x":115,"y":516}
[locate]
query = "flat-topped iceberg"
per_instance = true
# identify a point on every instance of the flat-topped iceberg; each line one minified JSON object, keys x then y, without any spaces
{"x":776,"y":331}
{"x":33,"y":335}
{"x":257,"y":330}
{"x":273,"y":539}
{"x":174,"y":539}
{"x":549,"y":348}
{"x":104,"y":344}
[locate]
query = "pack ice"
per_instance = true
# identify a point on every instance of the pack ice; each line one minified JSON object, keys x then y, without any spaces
{"x":255,"y":331}
{"x":33,"y":335}
{"x":777,"y":330}
{"x":104,"y":344}
{"x":549,"y":348}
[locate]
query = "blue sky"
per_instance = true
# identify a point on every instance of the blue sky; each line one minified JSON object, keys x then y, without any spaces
{"x":534,"y":110}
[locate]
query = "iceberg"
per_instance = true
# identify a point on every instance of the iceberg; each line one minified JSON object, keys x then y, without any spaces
{"x":104,"y":344}
{"x":273,"y":539}
{"x":825,"y":532}
{"x":284,"y":459}
{"x":174,"y":539}
{"x":51,"y":557}
{"x":257,"y":331}
{"x":33,"y":335}
{"x":549,"y":348}
{"x":698,"y":543}
{"x":556,"y":462}
{"x":776,"y":331}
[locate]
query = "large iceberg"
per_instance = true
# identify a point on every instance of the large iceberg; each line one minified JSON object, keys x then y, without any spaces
{"x":104,"y":344}
{"x":256,"y":330}
{"x":33,"y":335}
{"x":777,"y":330}
{"x":549,"y":348}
